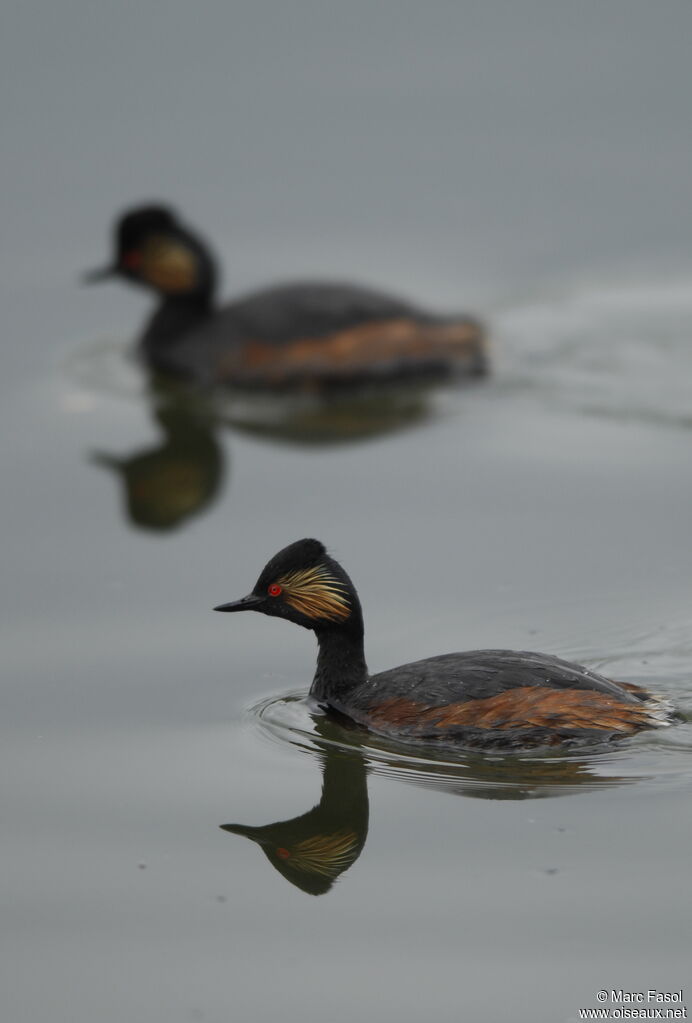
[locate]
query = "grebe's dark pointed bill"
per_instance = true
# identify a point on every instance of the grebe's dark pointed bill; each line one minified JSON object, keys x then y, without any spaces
{"x":239,"y":829}
{"x":105,"y":461}
{"x":102,"y":273}
{"x":249,"y":603}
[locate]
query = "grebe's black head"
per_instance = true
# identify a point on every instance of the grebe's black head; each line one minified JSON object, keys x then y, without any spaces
{"x":304,"y":585}
{"x":154,"y":249}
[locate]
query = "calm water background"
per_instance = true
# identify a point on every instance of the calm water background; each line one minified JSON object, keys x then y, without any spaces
{"x":526,"y":159}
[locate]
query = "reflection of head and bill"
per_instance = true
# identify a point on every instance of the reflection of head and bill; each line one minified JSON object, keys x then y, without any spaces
{"x":314,"y":849}
{"x":169,"y":483}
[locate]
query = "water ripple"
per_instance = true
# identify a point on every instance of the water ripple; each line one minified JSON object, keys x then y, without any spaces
{"x":621,"y":351}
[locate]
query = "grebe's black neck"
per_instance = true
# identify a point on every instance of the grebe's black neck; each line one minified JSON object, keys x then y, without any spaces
{"x":303,"y":584}
{"x":341,"y":666}
{"x":174,"y":316}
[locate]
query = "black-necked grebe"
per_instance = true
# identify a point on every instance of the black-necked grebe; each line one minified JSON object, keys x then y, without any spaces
{"x":480,"y":698}
{"x":306,"y":335}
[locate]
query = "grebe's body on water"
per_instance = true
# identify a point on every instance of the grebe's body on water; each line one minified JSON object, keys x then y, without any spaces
{"x":480,"y":698}
{"x":315,"y":336}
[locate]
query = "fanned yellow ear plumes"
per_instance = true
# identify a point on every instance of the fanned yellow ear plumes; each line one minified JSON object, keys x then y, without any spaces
{"x":168,"y":265}
{"x":314,"y":592}
{"x":327,"y":855}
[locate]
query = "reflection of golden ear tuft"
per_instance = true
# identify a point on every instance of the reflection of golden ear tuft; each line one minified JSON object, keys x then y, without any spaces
{"x":168,"y":266}
{"x":327,"y":855}
{"x":316,"y":594}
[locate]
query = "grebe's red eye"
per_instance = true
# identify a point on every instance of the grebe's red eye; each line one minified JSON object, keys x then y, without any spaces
{"x":273,"y":589}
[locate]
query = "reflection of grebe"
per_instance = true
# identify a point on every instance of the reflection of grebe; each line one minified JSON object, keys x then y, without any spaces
{"x":480,"y":698}
{"x":168,"y":484}
{"x":310,"y":335}
{"x":312,"y":850}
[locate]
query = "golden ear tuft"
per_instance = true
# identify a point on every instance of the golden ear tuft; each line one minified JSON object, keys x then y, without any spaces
{"x":168,"y":266}
{"x":327,"y":855}
{"x":316,"y":594}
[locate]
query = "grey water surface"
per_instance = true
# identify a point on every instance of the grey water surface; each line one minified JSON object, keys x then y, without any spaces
{"x":527,"y":161}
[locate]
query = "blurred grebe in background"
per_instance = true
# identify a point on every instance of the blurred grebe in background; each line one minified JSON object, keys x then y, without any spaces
{"x":310,"y":336}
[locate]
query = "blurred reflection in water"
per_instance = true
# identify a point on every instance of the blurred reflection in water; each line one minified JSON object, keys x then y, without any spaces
{"x":363,"y":415}
{"x":167,"y":485}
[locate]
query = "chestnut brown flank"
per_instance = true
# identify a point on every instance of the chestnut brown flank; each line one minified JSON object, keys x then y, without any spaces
{"x":525,"y":707}
{"x":368,"y":343}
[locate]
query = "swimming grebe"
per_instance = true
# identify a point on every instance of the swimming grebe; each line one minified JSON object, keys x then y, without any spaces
{"x":485,"y":698}
{"x":306,"y":335}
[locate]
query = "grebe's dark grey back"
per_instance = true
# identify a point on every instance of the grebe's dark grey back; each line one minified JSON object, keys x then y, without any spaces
{"x":303,"y":335}
{"x":481,"y":698}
